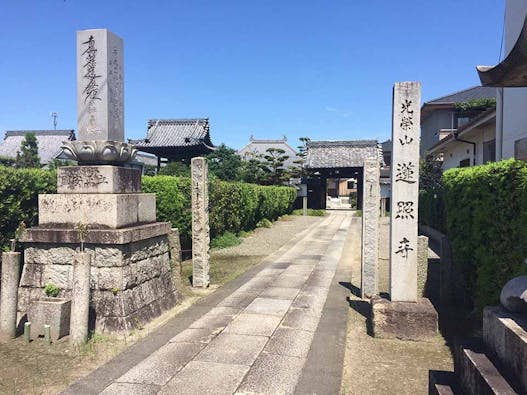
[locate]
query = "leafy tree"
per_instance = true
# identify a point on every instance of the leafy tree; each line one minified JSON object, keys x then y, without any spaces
{"x":252,"y":171}
{"x":225,"y":163}
{"x":300,"y":171}
{"x":430,"y":173}
{"x":28,"y":154}
{"x":177,"y":169}
{"x":274,"y":165}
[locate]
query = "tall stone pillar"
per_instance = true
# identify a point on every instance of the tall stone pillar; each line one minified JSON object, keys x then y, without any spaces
{"x":370,"y":227}
{"x":405,"y":191}
{"x":200,"y":223}
{"x":9,"y":293}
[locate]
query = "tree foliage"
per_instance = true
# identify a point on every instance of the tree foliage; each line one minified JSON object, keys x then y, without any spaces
{"x":28,"y":157}
{"x":225,"y":163}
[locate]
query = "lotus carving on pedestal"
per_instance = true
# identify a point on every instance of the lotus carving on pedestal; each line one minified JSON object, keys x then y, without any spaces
{"x":99,"y":152}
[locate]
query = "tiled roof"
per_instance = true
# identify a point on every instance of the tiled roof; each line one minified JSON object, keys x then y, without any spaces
{"x":176,"y":133}
{"x":335,"y":154}
{"x":49,"y":142}
{"x":476,"y":92}
{"x":259,"y":147}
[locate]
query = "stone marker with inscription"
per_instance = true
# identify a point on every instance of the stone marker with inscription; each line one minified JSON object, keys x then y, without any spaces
{"x":130,"y":278}
{"x":370,"y":227}
{"x":405,"y":315}
{"x":200,"y":223}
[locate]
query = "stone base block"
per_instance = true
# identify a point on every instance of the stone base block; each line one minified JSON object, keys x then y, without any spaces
{"x":96,"y":210}
{"x":505,"y":336}
{"x":403,"y":320}
{"x":98,"y":179}
{"x":131,"y":282}
{"x":54,"y":312}
{"x":442,"y":383}
{"x":477,"y":373}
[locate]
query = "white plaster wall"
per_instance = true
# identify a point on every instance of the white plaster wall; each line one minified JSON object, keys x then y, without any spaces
{"x":439,"y":119}
{"x":457,"y":150}
{"x":514,"y":101}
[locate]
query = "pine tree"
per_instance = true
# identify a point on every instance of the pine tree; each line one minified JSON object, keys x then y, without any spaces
{"x":28,"y":154}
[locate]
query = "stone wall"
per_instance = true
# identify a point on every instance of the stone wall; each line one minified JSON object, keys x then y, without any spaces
{"x":130,"y":283}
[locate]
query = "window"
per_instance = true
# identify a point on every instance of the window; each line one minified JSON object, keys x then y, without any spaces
{"x":489,"y":151}
{"x":351,"y":184}
{"x":464,"y":163}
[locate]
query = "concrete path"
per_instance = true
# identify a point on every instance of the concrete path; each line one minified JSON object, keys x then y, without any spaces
{"x":279,"y":328}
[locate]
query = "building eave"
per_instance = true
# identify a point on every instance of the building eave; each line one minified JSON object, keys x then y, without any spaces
{"x":512,"y":71}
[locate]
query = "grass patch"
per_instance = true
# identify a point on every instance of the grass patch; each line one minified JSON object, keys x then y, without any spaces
{"x":311,"y":212}
{"x":358,"y":213}
{"x":264,"y":223}
{"x":227,"y":239}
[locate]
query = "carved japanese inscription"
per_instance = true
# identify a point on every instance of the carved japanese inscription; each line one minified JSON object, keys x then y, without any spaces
{"x":405,"y":188}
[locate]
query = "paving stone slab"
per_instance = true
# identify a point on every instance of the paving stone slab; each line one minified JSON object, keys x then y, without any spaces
{"x":159,"y":367}
{"x":269,"y":306}
{"x":315,"y":303}
{"x":192,"y":335}
{"x":239,"y":299}
{"x":298,"y":269}
{"x":290,"y":281}
{"x":257,"y":283}
{"x":290,"y":342}
{"x":280,"y":293}
{"x":269,"y":272}
{"x":253,"y":324}
{"x":272,"y":374}
{"x":232,"y":348}
{"x":301,"y":319}
{"x":320,"y":278}
{"x":212,"y":321}
{"x":200,"y":377}
{"x":224,"y":310}
{"x":130,"y":388}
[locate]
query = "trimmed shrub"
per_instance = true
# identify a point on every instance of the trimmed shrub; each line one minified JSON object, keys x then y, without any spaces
{"x":486,"y":221}
{"x":432,"y":209}
{"x":234,"y":206}
{"x":19,"y":189}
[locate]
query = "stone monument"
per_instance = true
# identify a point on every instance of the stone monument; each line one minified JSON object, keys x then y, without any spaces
{"x":405,"y":315}
{"x":370,"y":227}
{"x":131,"y":279}
{"x":200,"y":223}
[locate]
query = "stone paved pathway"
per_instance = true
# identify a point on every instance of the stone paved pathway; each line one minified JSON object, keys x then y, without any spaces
{"x":257,"y":339}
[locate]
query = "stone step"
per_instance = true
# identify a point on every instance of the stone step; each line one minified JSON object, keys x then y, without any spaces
{"x":476,"y":373}
{"x":505,"y":337}
{"x":442,"y":383}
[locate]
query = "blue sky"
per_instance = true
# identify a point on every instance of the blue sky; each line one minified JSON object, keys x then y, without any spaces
{"x":322,"y":69}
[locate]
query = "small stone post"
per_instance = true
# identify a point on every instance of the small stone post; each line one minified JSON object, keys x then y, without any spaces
{"x":175,"y":250}
{"x":422,"y":263}
{"x":80,"y":303}
{"x":9,"y":293}
{"x":370,"y":227}
{"x":304,"y":206}
{"x":200,"y":223}
{"x":405,"y":191}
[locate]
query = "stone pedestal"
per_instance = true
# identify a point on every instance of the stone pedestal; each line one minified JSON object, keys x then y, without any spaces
{"x":403,"y":320}
{"x":130,"y":278}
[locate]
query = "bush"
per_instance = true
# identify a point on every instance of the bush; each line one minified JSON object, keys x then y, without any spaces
{"x":486,"y":222}
{"x":234,"y":206}
{"x":51,"y":290}
{"x":264,"y":223}
{"x":227,"y":239}
{"x":19,"y":189}
{"x":311,"y":212}
{"x":432,"y":209}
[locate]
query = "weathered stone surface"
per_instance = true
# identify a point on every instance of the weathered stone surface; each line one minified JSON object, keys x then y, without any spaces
{"x":422,"y":264}
{"x":403,"y":320}
{"x":80,"y":298}
{"x":514,"y":295}
{"x":130,"y":283}
{"x":370,"y":227}
{"x":100,"y":85}
{"x":117,"y":237}
{"x":505,"y":335}
{"x":441,"y":383}
{"x":96,"y":210}
{"x":477,"y":374}
{"x":98,"y":179}
{"x":11,"y":262}
{"x":405,"y":191}
{"x":50,"y":311}
{"x":200,"y":223}
{"x":233,"y":349}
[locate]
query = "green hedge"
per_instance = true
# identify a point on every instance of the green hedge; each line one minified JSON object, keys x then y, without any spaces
{"x":432,"y":209}
{"x":234,"y":206}
{"x":19,"y":189}
{"x":486,"y":222}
